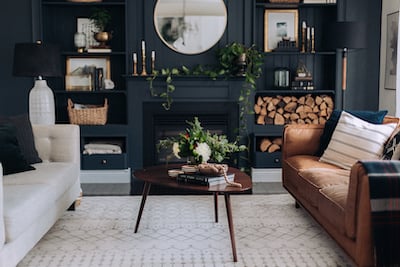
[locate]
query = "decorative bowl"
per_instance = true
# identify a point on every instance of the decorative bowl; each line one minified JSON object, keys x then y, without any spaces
{"x":174,"y":173}
{"x":213,"y":169}
{"x":189,"y":168}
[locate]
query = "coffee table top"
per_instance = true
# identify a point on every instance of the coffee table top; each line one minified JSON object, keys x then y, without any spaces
{"x":159,"y":175}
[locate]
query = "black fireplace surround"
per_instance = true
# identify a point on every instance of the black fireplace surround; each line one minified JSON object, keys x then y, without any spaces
{"x":217,"y":117}
{"x":214,"y":102}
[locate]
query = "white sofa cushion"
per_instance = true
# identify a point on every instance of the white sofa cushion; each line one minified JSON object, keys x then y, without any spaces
{"x":355,"y":139}
{"x":57,"y":174}
{"x":25,"y":203}
{"x":29,"y":194}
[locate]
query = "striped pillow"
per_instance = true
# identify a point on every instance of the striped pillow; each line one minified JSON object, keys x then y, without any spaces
{"x":355,"y":139}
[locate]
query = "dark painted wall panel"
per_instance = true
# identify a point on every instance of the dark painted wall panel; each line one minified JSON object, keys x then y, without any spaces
{"x":15,"y":16}
{"x":363,"y":65}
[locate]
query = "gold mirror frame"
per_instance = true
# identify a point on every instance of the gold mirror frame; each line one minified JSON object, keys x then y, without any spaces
{"x":190,"y":26}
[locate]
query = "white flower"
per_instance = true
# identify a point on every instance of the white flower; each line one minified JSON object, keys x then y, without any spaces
{"x":176,"y":150}
{"x":204,"y":151}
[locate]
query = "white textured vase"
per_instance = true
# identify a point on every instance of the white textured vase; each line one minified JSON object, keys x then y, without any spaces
{"x":41,"y":104}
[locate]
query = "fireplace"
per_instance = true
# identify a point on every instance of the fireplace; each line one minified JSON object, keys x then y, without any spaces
{"x":217,"y":117}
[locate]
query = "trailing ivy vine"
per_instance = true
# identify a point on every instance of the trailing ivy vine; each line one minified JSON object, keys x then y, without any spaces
{"x":227,"y":67}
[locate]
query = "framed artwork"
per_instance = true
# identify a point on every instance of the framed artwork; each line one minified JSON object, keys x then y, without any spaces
{"x":86,"y":73}
{"x":86,"y":26}
{"x":278,"y":24}
{"x":391,"y":50}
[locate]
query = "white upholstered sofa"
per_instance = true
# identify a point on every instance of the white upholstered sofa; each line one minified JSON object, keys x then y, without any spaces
{"x":32,"y":201}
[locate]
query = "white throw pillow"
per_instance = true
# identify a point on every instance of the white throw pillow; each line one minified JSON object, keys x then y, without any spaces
{"x":355,"y":139}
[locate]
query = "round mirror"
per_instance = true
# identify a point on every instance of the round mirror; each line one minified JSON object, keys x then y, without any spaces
{"x":190,"y":26}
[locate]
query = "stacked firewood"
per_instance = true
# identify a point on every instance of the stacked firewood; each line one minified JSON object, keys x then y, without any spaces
{"x":270,"y":144}
{"x":305,"y":109}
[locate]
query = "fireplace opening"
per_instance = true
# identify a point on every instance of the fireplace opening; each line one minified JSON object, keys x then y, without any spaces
{"x":158,"y":124}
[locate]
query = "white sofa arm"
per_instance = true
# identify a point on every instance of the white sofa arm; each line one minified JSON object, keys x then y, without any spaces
{"x":58,"y":142}
{"x":2,"y":229}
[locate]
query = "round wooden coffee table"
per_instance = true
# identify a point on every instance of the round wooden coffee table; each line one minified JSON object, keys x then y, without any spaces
{"x":159,"y":175}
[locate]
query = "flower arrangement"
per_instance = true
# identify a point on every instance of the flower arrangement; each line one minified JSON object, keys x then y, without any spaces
{"x":200,"y":145}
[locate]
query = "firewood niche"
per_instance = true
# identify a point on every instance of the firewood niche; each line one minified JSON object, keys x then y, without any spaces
{"x":287,"y":109}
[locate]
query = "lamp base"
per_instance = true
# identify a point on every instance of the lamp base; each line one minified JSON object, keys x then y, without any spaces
{"x":41,"y":104}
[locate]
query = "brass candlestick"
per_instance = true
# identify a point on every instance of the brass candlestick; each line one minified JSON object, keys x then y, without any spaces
{"x":135,"y":69}
{"x":312,"y":40}
{"x":144,"y":73}
{"x":303,"y":37}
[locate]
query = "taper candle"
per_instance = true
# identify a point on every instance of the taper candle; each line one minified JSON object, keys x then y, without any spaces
{"x":143,"y":48}
{"x":153,"y":55}
{"x":134,"y":58}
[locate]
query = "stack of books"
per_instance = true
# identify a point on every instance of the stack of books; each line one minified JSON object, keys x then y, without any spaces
{"x":303,"y":83}
{"x":99,"y":50}
{"x":319,"y":1}
{"x":201,"y":179}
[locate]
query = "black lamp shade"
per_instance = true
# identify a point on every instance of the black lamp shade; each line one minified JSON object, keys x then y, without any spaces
{"x":347,"y":34}
{"x":37,"y":59}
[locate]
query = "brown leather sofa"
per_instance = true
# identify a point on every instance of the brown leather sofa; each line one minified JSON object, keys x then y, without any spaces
{"x":337,"y":199}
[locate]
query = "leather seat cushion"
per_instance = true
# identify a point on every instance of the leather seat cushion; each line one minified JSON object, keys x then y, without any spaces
{"x":315,"y":179}
{"x":302,"y":162}
{"x":308,"y":176}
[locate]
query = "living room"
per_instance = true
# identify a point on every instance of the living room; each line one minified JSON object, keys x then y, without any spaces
{"x":137,"y":118}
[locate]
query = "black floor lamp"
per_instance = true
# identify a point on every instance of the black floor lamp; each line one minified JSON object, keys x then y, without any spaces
{"x":347,"y":35}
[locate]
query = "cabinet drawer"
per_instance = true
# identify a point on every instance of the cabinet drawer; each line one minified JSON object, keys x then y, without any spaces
{"x":104,"y":161}
{"x":267,"y":160}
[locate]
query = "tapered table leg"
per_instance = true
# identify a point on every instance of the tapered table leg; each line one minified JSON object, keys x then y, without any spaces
{"x":230,"y":223}
{"x":216,"y":206}
{"x":146,"y":191}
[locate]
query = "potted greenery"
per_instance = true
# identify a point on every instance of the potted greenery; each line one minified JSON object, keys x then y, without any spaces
{"x":199,"y":145}
{"x":101,"y":18}
{"x":236,"y":59}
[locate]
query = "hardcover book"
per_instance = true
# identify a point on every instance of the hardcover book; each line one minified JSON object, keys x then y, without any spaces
{"x":202,"y":179}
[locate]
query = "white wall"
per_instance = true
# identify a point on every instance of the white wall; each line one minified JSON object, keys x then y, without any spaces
{"x":388,"y":98}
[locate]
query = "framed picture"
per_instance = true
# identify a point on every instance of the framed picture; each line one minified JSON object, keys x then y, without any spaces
{"x":391,"y":50}
{"x":78,"y":69}
{"x":279,"y":24}
{"x":79,"y":82}
{"x":86,"y":26}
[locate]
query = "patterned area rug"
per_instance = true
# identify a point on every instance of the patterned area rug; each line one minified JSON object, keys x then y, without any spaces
{"x":180,"y":231}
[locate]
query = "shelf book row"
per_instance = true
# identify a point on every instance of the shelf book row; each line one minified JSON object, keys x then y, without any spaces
{"x":201,"y":179}
{"x":319,"y":1}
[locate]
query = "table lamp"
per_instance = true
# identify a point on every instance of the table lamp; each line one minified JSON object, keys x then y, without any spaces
{"x":38,"y":60}
{"x":346,"y":35}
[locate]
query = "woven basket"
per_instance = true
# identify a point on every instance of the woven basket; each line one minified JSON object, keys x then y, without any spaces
{"x":284,"y":1}
{"x":88,"y":116}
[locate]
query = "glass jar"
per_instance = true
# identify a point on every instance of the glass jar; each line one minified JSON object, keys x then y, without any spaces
{"x":281,"y":78}
{"x":80,"y":41}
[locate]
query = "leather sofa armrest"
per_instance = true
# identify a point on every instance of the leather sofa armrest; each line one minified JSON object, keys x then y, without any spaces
{"x":59,"y":142}
{"x":358,"y":212}
{"x":301,"y":139}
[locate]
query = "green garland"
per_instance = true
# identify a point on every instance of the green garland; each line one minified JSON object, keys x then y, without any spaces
{"x":227,"y":67}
